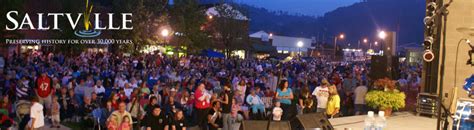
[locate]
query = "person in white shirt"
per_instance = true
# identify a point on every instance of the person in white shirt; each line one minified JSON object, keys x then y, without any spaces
{"x":128,"y":90}
{"x":277,"y":112}
{"x":255,"y":102}
{"x":121,"y":81}
{"x":134,"y":83}
{"x":36,"y":114}
{"x":322,"y":95}
{"x":272,"y":82}
{"x":359,"y":98}
{"x":242,"y":88}
{"x":99,"y":88}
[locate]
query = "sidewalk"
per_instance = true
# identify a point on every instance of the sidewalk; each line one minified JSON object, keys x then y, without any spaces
{"x":47,"y":127}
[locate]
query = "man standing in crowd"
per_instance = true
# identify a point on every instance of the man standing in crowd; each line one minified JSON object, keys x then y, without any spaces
{"x":272,"y":82}
{"x":44,"y":90}
{"x":36,"y":114}
{"x":322,"y":95}
{"x":202,"y":105}
{"x":348,"y":85}
{"x":359,"y":97}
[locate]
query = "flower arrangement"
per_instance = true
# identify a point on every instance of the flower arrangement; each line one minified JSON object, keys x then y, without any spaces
{"x":385,"y":84}
{"x":385,"y":96}
{"x":385,"y":100}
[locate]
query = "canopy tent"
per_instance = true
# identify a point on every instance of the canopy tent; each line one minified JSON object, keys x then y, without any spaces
{"x":212,"y":53}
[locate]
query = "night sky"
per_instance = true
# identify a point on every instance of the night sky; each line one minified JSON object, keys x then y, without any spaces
{"x":305,"y":7}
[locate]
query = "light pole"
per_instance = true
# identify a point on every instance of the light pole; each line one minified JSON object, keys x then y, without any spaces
{"x":341,"y":36}
{"x":388,"y":55}
{"x":299,"y":45}
{"x":365,"y":41}
{"x":382,"y":36}
{"x":376,"y":43}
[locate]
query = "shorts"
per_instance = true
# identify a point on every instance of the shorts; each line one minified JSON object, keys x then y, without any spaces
{"x":45,"y":101}
{"x":55,"y":118}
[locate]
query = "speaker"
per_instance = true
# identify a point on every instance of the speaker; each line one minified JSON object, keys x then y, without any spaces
{"x":262,"y":125}
{"x":378,"y":67}
{"x":395,"y":67}
{"x":311,"y":121}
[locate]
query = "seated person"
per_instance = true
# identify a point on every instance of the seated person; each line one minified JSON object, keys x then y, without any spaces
{"x":171,"y":106}
{"x":309,"y":107}
{"x":255,"y":102}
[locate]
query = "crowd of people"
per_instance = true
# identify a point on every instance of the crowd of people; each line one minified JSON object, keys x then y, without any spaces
{"x":157,"y":92}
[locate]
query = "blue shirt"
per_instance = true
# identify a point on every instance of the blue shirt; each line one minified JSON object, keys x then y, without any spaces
{"x":286,"y":93}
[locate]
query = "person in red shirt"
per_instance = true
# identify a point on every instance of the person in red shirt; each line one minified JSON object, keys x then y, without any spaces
{"x":202,"y":105}
{"x":44,"y":90}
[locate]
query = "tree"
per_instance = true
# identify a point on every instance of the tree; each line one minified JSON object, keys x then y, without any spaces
{"x":230,"y":28}
{"x":66,"y":32}
{"x":9,"y":5}
{"x":148,"y":15}
{"x":187,"y":18}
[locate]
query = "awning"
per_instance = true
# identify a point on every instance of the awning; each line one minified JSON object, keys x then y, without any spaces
{"x":262,"y":48}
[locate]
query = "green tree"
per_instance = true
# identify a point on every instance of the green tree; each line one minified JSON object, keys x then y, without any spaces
{"x":148,"y":16}
{"x":187,"y":18}
{"x":66,"y":32}
{"x":230,"y":28}
{"x":5,"y":7}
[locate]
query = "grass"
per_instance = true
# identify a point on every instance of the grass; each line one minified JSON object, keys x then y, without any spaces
{"x":72,"y":125}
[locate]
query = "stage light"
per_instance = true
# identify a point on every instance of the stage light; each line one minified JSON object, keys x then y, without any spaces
{"x":428,"y":56}
{"x":428,"y":42}
{"x":431,"y":14}
{"x":429,"y":21}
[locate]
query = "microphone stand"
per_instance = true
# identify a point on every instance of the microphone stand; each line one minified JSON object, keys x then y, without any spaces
{"x":444,"y":14}
{"x":269,"y":120}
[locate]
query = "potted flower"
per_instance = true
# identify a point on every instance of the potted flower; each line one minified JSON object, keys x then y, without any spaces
{"x":385,"y":97}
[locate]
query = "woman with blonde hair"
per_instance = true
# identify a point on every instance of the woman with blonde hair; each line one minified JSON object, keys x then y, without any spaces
{"x":334,"y":103}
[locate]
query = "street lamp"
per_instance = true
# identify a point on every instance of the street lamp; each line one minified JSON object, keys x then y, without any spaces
{"x":364,"y":40}
{"x":341,"y":36}
{"x":210,"y":16}
{"x":299,"y":45}
{"x":165,"y":33}
{"x":382,"y":35}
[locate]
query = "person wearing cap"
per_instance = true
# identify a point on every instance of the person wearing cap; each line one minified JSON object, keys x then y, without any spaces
{"x":322,"y":95}
{"x":256,"y":103}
